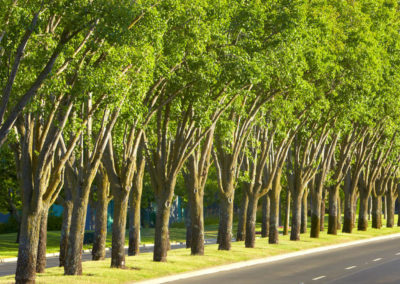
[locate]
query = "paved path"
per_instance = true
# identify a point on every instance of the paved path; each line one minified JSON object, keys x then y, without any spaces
{"x":8,"y":268}
{"x":375,"y":262}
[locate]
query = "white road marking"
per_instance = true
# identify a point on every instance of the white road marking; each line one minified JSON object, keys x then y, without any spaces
{"x":398,"y":253}
{"x":320,"y":277}
{"x":271,"y":259}
{"x":351,"y":267}
{"x":377,"y":259}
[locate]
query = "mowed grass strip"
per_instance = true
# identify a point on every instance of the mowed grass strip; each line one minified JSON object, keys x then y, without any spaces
{"x":9,"y":248}
{"x":142,"y":267}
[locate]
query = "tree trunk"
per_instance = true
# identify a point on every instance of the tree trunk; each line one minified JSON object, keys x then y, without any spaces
{"x":384,"y":205}
{"x":304,"y":212}
{"x":287,"y":213}
{"x":355,"y":200}
{"x":197,"y":222}
{"x":219,"y":227}
{"x":118,"y":229}
{"x":315,"y":214}
{"x":363,"y":212}
{"x":18,"y":233}
{"x":241,"y":230}
{"x":226,"y":223}
{"x":188,"y":224}
{"x":73,"y":261}
{"x":100,"y":227}
{"x":134,"y":223}
{"x":339,"y":213}
{"x":296,"y":217}
{"x":42,"y":245}
{"x":398,"y":214}
{"x":348,"y":213}
{"x":28,"y":247}
{"x":134,"y":227}
{"x":322,"y":214}
{"x":274,"y":218}
{"x":369,"y":207}
{"x":251,"y":222}
{"x":390,"y":210}
{"x":161,"y":238}
{"x":265,"y":216}
{"x":168,"y":242}
{"x":333,"y":211}
{"x":134,"y":211}
{"x":66,"y":223}
{"x":376,"y":212}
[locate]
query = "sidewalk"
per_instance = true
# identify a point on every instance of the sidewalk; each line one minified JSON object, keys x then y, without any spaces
{"x":143,"y":248}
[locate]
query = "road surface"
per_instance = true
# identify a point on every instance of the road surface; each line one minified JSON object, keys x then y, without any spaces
{"x":374,"y":262}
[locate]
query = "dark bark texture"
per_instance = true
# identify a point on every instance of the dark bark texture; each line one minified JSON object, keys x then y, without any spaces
{"x":376,"y":212}
{"x":349,"y":189}
{"x":196,"y":222}
{"x":265,"y":221}
{"x":390,"y":210}
{"x":273,"y":237}
{"x":287,"y":213}
{"x":28,"y":247}
{"x":134,"y":209}
{"x":118,"y":229}
{"x":241,"y":230}
{"x":66,"y":223}
{"x":363,"y":212}
{"x":73,"y":261}
{"x":226,"y":207}
{"x":161,"y":239}
{"x":296,"y":218}
{"x":315,"y":215}
{"x":251,"y":222}
{"x":100,"y":229}
{"x":304,"y":212}
{"x":322,"y":214}
{"x":188,"y":225}
{"x":41,"y":257}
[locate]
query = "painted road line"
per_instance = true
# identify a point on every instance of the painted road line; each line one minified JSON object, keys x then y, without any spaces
{"x":377,"y":259}
{"x":351,"y":267}
{"x":319,"y":277}
{"x":238,"y":265}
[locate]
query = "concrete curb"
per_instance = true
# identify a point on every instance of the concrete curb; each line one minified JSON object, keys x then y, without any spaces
{"x":262,"y":260}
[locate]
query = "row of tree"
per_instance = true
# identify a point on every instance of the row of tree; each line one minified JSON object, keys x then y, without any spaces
{"x":302,"y":94}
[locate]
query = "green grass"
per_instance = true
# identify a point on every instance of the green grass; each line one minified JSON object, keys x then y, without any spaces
{"x":142,"y":267}
{"x":9,"y":248}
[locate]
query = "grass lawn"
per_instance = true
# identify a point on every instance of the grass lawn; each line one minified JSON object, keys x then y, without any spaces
{"x":142,"y":267}
{"x":9,"y":248}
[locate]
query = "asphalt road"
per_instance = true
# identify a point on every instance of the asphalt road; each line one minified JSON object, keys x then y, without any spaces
{"x":9,"y":268}
{"x":375,"y":262}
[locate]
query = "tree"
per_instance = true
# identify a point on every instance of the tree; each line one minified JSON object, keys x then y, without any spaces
{"x":103,"y":197}
{"x":362,"y":153}
{"x":60,"y":26}
{"x":303,"y":163}
{"x":135,"y":202}
{"x":318,"y":185}
{"x":195,"y":175}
